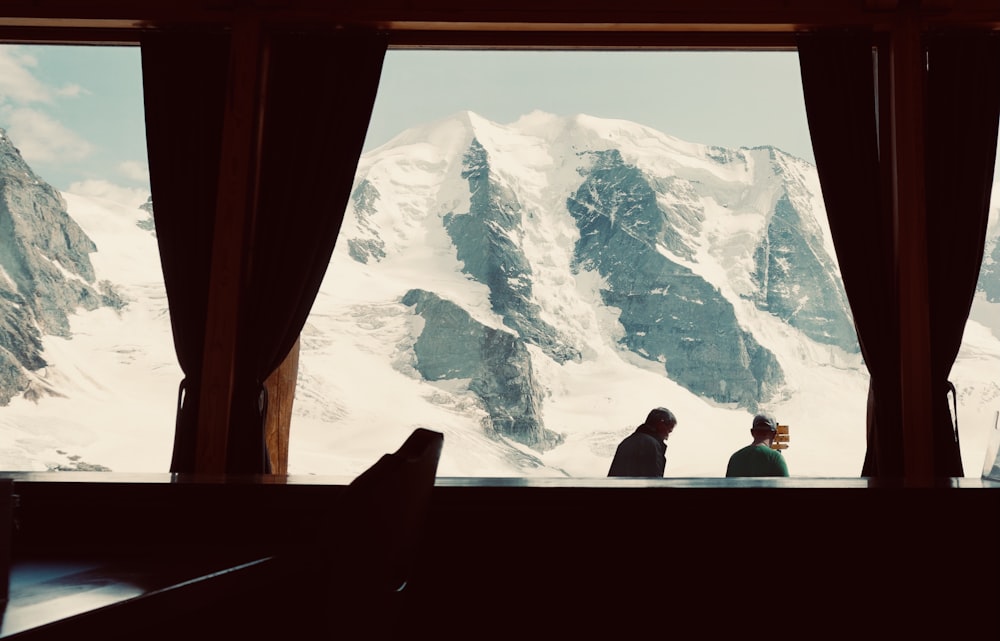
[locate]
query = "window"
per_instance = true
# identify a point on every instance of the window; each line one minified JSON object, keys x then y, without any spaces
{"x":574,"y":361}
{"x":974,"y":371}
{"x":89,"y":374}
{"x":645,"y":233}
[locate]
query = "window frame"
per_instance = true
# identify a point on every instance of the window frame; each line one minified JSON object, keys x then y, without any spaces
{"x":629,"y":25}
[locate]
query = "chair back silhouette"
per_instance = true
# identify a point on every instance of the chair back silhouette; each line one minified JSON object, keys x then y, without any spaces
{"x":383,"y":511}
{"x":369,"y":543}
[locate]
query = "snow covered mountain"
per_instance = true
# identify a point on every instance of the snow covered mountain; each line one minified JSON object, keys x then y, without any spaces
{"x":529,"y":289}
{"x":562,"y":275}
{"x":532,"y":289}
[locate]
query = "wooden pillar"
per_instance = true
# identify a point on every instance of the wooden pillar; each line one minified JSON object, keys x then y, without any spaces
{"x":235,"y":206}
{"x":906,"y":80}
{"x":280,"y":387}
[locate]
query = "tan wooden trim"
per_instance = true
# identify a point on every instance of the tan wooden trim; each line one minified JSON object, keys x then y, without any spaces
{"x":590,"y":40}
{"x":280,"y":387}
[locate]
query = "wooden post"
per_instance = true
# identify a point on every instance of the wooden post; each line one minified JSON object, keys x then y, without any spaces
{"x":235,"y":206}
{"x":280,"y":387}
{"x":906,"y":78}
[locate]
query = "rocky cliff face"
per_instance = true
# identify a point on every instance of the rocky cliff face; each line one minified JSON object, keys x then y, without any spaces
{"x":45,"y":272}
{"x":496,"y":363}
{"x":488,"y":241}
{"x":669,"y":314}
{"x":796,"y":279}
{"x":369,"y":245}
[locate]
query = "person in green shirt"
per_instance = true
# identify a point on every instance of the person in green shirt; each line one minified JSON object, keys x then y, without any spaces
{"x":758,"y":459}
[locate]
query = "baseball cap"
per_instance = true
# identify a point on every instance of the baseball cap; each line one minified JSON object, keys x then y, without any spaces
{"x":660,"y":414}
{"x":762,"y":422}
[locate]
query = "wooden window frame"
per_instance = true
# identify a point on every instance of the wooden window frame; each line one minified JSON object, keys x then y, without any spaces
{"x":765,"y":25}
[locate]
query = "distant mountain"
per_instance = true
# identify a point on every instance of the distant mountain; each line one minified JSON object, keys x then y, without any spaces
{"x":529,"y":289}
{"x":687,"y":246}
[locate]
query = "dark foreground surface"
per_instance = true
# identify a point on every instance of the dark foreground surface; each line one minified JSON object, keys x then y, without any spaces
{"x":223,"y":557}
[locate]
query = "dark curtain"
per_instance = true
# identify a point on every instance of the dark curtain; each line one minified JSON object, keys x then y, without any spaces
{"x":320,"y":93}
{"x":963,"y":103}
{"x":184,"y":84}
{"x":840,"y":91}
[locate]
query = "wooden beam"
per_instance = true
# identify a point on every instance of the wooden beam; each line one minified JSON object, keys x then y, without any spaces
{"x":507,"y":14}
{"x":510,"y":15}
{"x":235,"y":207}
{"x":280,"y":387}
{"x":514,"y":23}
{"x":907,"y":72}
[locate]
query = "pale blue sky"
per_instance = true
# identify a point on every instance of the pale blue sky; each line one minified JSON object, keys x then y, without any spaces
{"x":724,"y":98}
{"x":76,"y":112}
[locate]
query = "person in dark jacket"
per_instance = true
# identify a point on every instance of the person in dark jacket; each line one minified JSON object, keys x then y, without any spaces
{"x":644,"y":451}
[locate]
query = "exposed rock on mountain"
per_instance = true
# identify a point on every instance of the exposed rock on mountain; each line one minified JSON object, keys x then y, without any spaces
{"x":669,"y":313}
{"x":364,"y":199}
{"x":45,"y":270}
{"x":496,"y":363}
{"x":796,"y":280}
{"x":487,"y":240}
{"x":147,"y":224}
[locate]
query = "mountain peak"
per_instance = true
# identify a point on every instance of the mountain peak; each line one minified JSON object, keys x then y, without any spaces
{"x":11,"y":161}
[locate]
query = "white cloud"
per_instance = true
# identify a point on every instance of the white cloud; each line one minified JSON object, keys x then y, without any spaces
{"x":129,"y":196}
{"x":42,"y":139}
{"x":72,"y":90}
{"x":17,"y":83}
{"x":134,"y":170}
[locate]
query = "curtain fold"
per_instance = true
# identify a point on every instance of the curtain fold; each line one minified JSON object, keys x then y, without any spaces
{"x":963,"y":104}
{"x":184,"y":84}
{"x":321,"y":88}
{"x":839,"y":84}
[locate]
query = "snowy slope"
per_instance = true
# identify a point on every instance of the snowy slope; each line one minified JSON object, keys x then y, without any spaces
{"x":117,"y":375}
{"x":359,"y":393}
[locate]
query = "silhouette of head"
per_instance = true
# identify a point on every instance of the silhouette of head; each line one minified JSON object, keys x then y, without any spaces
{"x":662,"y":420}
{"x":764,"y":423}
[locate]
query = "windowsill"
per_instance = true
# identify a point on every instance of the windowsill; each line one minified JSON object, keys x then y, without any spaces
{"x":506,"y":482}
{"x":721,"y":482}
